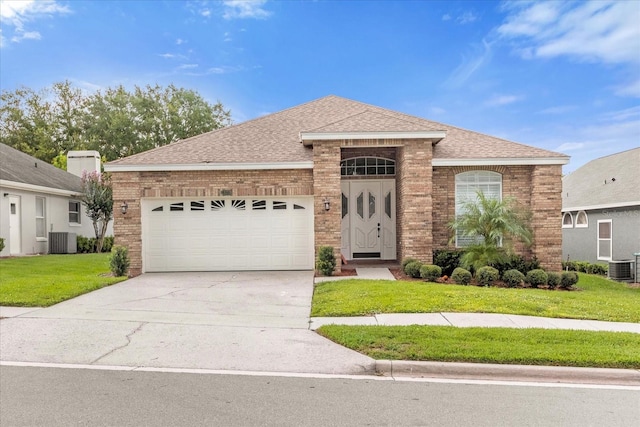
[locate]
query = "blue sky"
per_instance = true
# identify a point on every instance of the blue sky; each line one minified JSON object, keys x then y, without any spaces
{"x":563,"y":76}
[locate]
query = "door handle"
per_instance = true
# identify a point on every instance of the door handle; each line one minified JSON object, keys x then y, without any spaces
{"x":378,"y":230}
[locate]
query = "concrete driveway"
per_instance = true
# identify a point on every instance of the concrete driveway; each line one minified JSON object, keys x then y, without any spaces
{"x":253,"y":321}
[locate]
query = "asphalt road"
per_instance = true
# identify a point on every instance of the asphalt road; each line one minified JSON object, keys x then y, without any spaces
{"x":37,"y":396}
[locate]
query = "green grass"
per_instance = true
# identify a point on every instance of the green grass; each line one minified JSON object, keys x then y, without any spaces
{"x":41,"y":281}
{"x":491,"y":345}
{"x":598,"y":299}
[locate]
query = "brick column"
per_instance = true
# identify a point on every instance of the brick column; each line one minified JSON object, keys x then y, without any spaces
{"x":326,"y":184}
{"x":546,"y":205}
{"x":127,"y":228}
{"x":415,"y":209}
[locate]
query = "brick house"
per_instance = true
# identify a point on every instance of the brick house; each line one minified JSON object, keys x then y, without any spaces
{"x":370,"y":182}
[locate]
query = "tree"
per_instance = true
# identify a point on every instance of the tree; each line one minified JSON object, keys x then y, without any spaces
{"x":495,"y":225}
{"x":97,"y":197}
{"x":115,"y":122}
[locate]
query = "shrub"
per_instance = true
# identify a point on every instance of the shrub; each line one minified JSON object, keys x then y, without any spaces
{"x":536,"y":278}
{"x":513,"y":278}
{"x":107,"y":244}
{"x":461,"y":276}
{"x":326,"y":262}
{"x":487,"y":275}
{"x":405,"y":262}
{"x":553,"y":280}
{"x":568,"y":279}
{"x":600,"y":269}
{"x":447,"y":260}
{"x":516,"y":262}
{"x":1,"y":244}
{"x":119,"y":260}
{"x":582,"y":266}
{"x":84,"y":245}
{"x":430,"y":272}
{"x":569,"y":265}
{"x":413,"y":269}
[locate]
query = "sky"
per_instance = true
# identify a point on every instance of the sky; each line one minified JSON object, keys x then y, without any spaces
{"x":562,"y":76}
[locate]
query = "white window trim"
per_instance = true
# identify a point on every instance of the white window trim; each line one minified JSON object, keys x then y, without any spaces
{"x":456,"y":191}
{"x":43,"y":218}
{"x":79,"y":222}
{"x":578,"y":225}
{"x":567,"y":225}
{"x":610,"y":239}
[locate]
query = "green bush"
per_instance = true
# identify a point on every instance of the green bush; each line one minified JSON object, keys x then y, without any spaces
{"x":85,"y":245}
{"x":585,"y":267}
{"x":326,"y":261}
{"x":461,"y":276}
{"x":487,"y":275}
{"x":107,"y":244}
{"x":119,"y":260}
{"x":447,"y":259}
{"x":553,"y":280}
{"x":516,"y":262}
{"x":569,"y":265}
{"x":512,"y":278}
{"x":536,"y":278}
{"x":600,"y":269}
{"x":568,"y":279}
{"x":582,"y":266}
{"x":430,"y":272}
{"x":413,"y":269}
{"x":405,"y":262}
{"x":1,"y":244}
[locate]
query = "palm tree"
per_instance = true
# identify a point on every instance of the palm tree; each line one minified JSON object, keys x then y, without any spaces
{"x":494,"y":225}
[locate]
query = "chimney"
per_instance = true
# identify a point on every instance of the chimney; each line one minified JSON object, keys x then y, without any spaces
{"x":81,"y":161}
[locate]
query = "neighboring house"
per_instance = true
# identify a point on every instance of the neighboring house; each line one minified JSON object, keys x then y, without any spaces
{"x":369,"y":182}
{"x":601,"y":209}
{"x":37,"y":198}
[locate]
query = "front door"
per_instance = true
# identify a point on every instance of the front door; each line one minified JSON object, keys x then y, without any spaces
{"x":15,"y":241}
{"x":368,"y":219}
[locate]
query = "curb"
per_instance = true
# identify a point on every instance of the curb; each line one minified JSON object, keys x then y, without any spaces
{"x":494,"y":372}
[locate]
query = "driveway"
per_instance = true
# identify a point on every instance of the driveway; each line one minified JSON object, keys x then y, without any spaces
{"x":253,"y":321}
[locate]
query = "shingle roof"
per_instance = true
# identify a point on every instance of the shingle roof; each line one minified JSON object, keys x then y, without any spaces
{"x":18,"y":167}
{"x":607,"y":181}
{"x":275,"y":138}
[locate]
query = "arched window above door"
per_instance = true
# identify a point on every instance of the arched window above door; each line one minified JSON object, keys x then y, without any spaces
{"x":365,"y":166}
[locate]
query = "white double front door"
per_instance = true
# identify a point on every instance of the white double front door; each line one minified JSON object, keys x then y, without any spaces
{"x":369,"y":219}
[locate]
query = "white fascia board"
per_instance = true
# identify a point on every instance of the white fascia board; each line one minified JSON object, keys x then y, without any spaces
{"x":603,"y":206}
{"x":206,"y":167}
{"x":513,"y":161}
{"x":307,"y":137}
{"x":37,"y":188}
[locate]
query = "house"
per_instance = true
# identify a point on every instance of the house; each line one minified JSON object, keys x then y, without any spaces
{"x":369,"y":182}
{"x":601,"y":209}
{"x":37,"y":198}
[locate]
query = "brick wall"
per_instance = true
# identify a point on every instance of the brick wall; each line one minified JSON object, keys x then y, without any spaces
{"x":546,"y":204}
{"x":132,"y":186}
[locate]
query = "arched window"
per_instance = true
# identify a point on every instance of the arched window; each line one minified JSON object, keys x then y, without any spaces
{"x":467,"y":186}
{"x":367,"y":166}
{"x":582,"y":221}
{"x":567,"y":220}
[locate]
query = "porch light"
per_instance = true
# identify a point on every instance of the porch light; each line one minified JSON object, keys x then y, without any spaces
{"x":327,"y":204}
{"x":123,"y":207}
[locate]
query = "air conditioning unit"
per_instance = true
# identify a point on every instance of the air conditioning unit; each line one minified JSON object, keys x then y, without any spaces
{"x":621,"y":270}
{"x":63,"y":243}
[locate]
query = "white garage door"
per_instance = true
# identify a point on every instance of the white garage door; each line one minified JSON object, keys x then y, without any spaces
{"x":226,"y":234}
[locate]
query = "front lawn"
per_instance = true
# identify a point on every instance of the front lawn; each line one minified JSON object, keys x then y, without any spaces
{"x":597,"y":298}
{"x":491,"y":345}
{"x":41,"y":281}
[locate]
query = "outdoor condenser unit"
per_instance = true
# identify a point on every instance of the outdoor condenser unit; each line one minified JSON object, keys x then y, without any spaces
{"x":621,"y":270}
{"x":62,"y":243}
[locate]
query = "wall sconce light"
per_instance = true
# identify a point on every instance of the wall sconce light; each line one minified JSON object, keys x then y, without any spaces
{"x":327,"y":204}
{"x":123,"y":207}
{"x":5,"y":194}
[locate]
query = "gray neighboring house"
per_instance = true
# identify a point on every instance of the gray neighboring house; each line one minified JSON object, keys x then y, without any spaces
{"x":601,"y":209}
{"x":37,"y":198}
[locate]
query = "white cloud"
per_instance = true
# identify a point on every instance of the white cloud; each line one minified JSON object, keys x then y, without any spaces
{"x":17,"y":14}
{"x":631,"y":89}
{"x":470,"y":65}
{"x":569,"y":146}
{"x":245,"y":9}
{"x":205,"y":12}
{"x":499,"y":100}
{"x":180,"y":41}
{"x":605,"y":31}
{"x":466,"y":18}
{"x":560,"y":109}
{"x":171,"y":56}
{"x":187,"y":66}
{"x":446,"y":17}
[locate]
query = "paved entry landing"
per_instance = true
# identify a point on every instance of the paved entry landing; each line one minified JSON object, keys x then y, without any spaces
{"x":256,"y":321}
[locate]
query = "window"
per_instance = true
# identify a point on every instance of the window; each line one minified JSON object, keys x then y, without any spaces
{"x":259,"y":205}
{"x":582,"y":221}
{"x":367,"y":166}
{"x":567,"y":220}
{"x":74,"y":212}
{"x":41,"y":218}
{"x":604,"y":239}
{"x":467,"y":186}
{"x":197,"y":205}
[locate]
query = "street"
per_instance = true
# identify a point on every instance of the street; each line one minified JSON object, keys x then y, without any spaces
{"x":31,"y":396}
